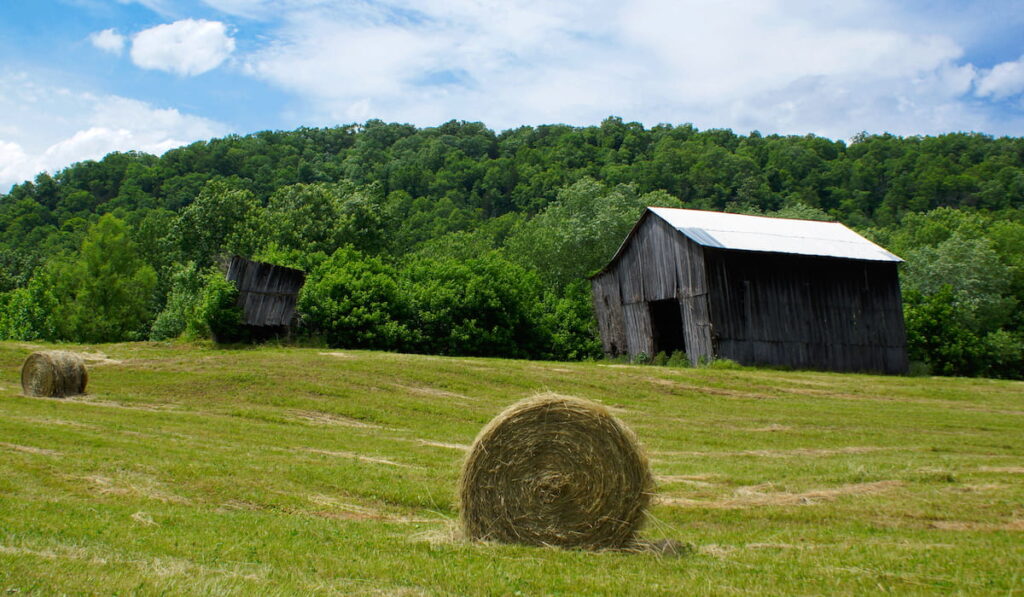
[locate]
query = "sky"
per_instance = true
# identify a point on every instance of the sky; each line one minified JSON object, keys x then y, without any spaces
{"x":82,"y":78}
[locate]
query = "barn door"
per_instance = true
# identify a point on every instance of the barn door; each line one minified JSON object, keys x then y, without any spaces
{"x":667,"y":326}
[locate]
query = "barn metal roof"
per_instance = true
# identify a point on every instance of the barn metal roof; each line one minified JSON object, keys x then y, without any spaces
{"x":776,"y":235}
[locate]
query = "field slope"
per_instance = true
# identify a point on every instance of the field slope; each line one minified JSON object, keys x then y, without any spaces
{"x":188,"y":470}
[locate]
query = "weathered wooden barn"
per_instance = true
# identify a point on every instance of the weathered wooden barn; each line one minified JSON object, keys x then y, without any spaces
{"x":757,"y":290}
{"x":267,"y":295}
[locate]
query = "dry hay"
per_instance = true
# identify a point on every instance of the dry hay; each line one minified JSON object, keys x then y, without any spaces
{"x":29,"y":449}
{"x":359,"y":457}
{"x":1003,"y":469}
{"x":756,"y":496}
{"x":340,"y":355}
{"x":555,"y":470}
{"x":53,"y":373}
{"x":98,"y":358}
{"x":446,"y":445}
{"x":324,"y":418}
{"x":1016,"y":524}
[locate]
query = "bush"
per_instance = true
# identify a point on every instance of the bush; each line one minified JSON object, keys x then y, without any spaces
{"x":569,"y":322}
{"x":25,"y":312}
{"x":938,"y":335}
{"x":217,"y":315}
{"x":354,"y":302}
{"x":1003,"y":355}
{"x":679,"y":358}
{"x":187,"y":285}
{"x":483,"y":307}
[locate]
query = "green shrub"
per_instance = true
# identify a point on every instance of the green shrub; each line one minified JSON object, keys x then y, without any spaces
{"x":679,"y":358}
{"x":569,"y":322}
{"x":939,"y":336}
{"x":487,"y":306}
{"x":217,"y":315}
{"x":354,"y":301}
{"x":25,"y":312}
{"x":182,"y":302}
{"x":919,"y":369}
{"x":1003,"y":355}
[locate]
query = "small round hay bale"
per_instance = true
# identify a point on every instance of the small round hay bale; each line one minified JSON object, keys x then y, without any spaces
{"x":53,"y":373}
{"x":555,"y":470}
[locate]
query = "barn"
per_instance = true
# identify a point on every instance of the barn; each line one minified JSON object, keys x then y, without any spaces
{"x":757,"y":290}
{"x":267,"y":295}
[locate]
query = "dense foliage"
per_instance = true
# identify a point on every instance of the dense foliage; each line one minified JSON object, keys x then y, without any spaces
{"x":460,"y":240}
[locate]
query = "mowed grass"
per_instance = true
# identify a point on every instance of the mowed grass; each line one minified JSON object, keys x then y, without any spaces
{"x":279,"y":471}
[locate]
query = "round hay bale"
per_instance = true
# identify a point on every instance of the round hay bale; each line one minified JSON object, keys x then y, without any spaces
{"x":555,"y":470}
{"x":53,"y":373}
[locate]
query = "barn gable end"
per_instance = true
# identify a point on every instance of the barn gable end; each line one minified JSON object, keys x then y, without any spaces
{"x":655,"y":266}
{"x":677,"y":283}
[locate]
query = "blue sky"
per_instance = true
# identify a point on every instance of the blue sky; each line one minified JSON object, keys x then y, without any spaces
{"x":80,"y":78}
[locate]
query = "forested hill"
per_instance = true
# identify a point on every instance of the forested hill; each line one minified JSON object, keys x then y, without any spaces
{"x":460,"y":240}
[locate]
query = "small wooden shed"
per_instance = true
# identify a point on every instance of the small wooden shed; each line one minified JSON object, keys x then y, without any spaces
{"x":267,"y":295}
{"x":757,"y":290}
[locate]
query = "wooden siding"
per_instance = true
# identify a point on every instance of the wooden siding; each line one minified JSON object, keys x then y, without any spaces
{"x":693,"y":296}
{"x":607,"y":300}
{"x":267,"y":293}
{"x":638,"y":329}
{"x":806,"y":312}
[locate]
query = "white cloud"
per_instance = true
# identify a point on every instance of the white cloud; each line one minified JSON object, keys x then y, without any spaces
{"x":14,"y":164}
{"x":831,"y":67}
{"x":187,"y":47}
{"x":45,"y":127}
{"x":1003,"y":80}
{"x":108,"y":40}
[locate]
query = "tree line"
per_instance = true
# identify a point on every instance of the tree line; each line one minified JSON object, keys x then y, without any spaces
{"x":459,"y":240}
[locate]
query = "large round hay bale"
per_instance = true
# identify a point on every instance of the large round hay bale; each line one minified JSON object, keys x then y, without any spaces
{"x":555,"y":470}
{"x":54,"y":373}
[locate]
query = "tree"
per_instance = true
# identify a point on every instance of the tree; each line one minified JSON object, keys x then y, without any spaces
{"x":219,"y":221}
{"x":977,"y":280}
{"x":105,"y":294}
{"x":580,"y":231}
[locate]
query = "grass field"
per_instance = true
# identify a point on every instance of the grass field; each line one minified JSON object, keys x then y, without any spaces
{"x":189,"y":470}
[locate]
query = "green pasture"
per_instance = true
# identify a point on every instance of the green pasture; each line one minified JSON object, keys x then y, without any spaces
{"x":287,"y":471}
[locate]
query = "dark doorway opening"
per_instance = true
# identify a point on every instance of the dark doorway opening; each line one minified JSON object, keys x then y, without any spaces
{"x":667,"y":326}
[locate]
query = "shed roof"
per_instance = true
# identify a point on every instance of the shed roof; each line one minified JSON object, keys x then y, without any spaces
{"x":774,"y":235}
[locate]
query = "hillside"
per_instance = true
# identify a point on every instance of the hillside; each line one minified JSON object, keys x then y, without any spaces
{"x":273,"y":470}
{"x":460,"y":240}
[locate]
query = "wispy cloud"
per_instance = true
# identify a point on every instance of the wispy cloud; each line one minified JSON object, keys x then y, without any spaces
{"x":108,"y":40}
{"x":1003,"y":80}
{"x":826,"y":67}
{"x":47,"y":127}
